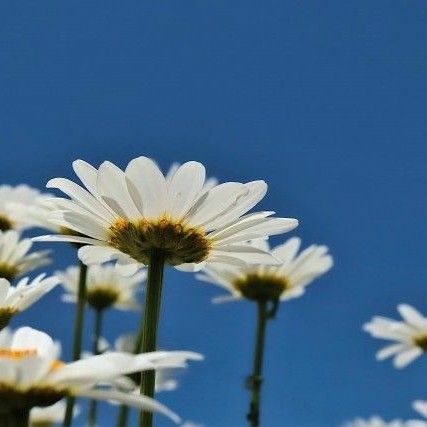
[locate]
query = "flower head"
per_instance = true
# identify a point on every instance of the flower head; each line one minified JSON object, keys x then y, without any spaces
{"x":126,"y":215}
{"x":14,"y":299}
{"x":14,"y":257}
{"x":31,"y":374}
{"x":271,"y":282}
{"x":409,"y":335}
{"x":105,"y":286}
{"x":14,"y":205}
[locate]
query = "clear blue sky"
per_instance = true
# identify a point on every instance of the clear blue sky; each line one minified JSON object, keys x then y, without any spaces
{"x":325,"y":100}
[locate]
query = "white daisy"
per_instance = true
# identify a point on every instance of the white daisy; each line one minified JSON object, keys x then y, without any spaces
{"x":50,"y":415}
{"x":14,"y":257}
{"x":127,"y":215}
{"x":14,"y":299}
{"x":14,"y":205}
{"x":32,"y":376}
{"x":271,"y":282}
{"x":105,"y":287}
{"x":410,"y":335}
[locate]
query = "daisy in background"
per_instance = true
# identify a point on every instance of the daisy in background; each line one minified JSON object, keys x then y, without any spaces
{"x":376,"y":421}
{"x":14,"y":203}
{"x":105,"y":287}
{"x":15,"y":259}
{"x":50,"y":415}
{"x":14,"y":299}
{"x":32,"y":376}
{"x":267,"y":285}
{"x":409,"y":336}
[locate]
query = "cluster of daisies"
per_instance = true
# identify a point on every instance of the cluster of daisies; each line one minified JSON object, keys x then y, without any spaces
{"x":126,"y":226}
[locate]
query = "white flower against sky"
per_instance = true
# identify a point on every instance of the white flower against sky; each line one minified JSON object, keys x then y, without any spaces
{"x":105,"y":286}
{"x":32,"y":376}
{"x":282,"y":281}
{"x":14,"y":203}
{"x":50,"y":415}
{"x":375,"y":421}
{"x":15,"y":259}
{"x":409,"y":336}
{"x":14,"y":299}
{"x":126,"y":215}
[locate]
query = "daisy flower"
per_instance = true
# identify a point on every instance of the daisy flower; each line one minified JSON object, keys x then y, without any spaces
{"x":14,"y":299}
{"x":271,"y":282}
{"x":15,"y":258}
{"x":105,"y":287}
{"x":32,"y":376}
{"x":14,"y":205}
{"x":50,"y":415}
{"x":409,"y":335}
{"x":126,"y":215}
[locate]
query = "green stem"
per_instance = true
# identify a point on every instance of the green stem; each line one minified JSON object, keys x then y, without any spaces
{"x":91,"y":420}
{"x":77,"y":335}
{"x":19,"y":418}
{"x":153,"y":300}
{"x":255,"y":380}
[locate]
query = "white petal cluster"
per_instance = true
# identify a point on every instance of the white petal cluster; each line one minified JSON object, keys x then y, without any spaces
{"x":143,"y":192}
{"x":29,"y":362}
{"x":409,"y":335}
{"x":104,"y":279}
{"x":18,"y":205}
{"x":50,"y":414}
{"x":15,"y":258}
{"x":296,"y":270}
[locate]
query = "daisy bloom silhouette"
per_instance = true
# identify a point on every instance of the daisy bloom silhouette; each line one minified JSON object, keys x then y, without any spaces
{"x":32,"y":376}
{"x":409,"y":336}
{"x":267,"y":285}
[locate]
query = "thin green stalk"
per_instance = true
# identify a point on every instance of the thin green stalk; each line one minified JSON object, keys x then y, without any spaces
{"x":255,"y":380}
{"x":153,"y":300}
{"x":91,"y":420}
{"x":77,"y":335}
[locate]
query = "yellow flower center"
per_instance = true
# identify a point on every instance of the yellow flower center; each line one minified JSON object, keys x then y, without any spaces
{"x":102,"y":297}
{"x":261,"y":286}
{"x":178,"y":242}
{"x":421,"y":341}
{"x":5,"y":223}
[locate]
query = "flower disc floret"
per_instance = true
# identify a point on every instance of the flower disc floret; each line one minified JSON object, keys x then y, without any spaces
{"x":102,"y":297}
{"x":261,"y":287}
{"x":177,"y":242}
{"x":5,"y":223}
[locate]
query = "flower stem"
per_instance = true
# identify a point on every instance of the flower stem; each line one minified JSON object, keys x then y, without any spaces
{"x":91,"y":419}
{"x":77,"y":335}
{"x":254,"y":382}
{"x":153,"y":299}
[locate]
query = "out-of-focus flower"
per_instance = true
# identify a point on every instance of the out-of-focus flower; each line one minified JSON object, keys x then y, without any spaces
{"x":14,"y":299}
{"x":127,"y":215}
{"x":32,"y":376}
{"x":50,"y":415}
{"x":409,"y":335}
{"x":271,"y":282}
{"x":375,"y":421}
{"x":105,"y":287}
{"x":15,"y":259}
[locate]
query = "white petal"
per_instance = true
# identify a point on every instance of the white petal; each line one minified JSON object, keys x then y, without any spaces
{"x":390,"y":350}
{"x":404,"y":359}
{"x":412,"y":316}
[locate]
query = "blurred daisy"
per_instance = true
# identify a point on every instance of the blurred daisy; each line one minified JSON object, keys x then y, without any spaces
{"x":127,"y":215}
{"x":50,"y":415}
{"x":271,"y":282}
{"x":14,"y":299}
{"x":14,"y":257}
{"x":410,"y":335}
{"x":375,"y":422}
{"x":32,"y":376}
{"x":14,"y":203}
{"x":105,"y":287}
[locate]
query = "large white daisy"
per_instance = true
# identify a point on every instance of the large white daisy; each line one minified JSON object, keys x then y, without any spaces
{"x":14,"y":299}
{"x":14,"y":205}
{"x":409,"y":335}
{"x":271,"y":282}
{"x":15,"y":259}
{"x":32,"y":376}
{"x":126,"y":215}
{"x":105,"y":286}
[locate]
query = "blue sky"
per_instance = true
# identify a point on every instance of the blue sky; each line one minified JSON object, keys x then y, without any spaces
{"x":326,"y":101}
